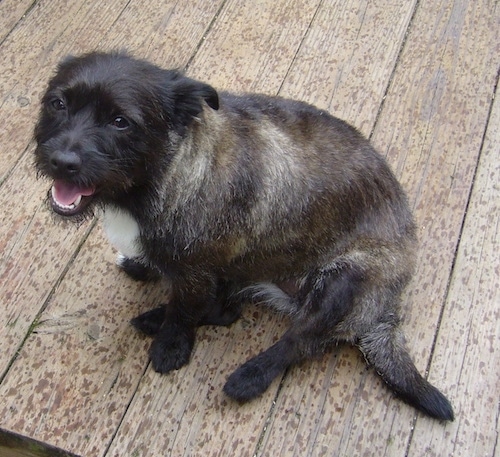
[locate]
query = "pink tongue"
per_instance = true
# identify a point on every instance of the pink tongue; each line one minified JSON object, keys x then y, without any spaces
{"x":67,"y":193}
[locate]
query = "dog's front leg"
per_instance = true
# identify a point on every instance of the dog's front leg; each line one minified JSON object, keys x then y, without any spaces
{"x":174,"y":340}
{"x":172,"y":346}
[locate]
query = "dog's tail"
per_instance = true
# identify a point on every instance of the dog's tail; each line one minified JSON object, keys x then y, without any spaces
{"x":384,"y":347}
{"x":271,"y":295}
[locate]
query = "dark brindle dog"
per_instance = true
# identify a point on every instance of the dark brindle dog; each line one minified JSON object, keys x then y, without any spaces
{"x":236,"y":198}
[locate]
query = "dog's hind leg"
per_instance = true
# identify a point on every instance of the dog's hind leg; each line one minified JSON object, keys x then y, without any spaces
{"x":226,"y":307}
{"x":327,"y":297}
{"x":384,"y":347}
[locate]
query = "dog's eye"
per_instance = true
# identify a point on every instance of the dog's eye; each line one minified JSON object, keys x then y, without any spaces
{"x":120,"y":123}
{"x":58,"y":104}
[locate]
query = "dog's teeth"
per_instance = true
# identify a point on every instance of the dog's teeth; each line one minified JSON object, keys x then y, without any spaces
{"x":63,"y":206}
{"x":77,"y":201}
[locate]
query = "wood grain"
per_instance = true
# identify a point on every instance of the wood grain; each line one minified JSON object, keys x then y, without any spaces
{"x":11,"y":12}
{"x":346,"y":61}
{"x":83,"y":361}
{"x":35,"y":253}
{"x":252,"y":44}
{"x":467,"y":354}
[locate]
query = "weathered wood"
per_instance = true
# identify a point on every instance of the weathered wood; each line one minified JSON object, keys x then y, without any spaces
{"x":15,"y":445}
{"x":467,"y":355}
{"x":431,"y":128}
{"x":35,"y":252}
{"x":11,"y":12}
{"x":345,"y":63}
{"x":71,"y":382}
{"x":166,"y":32}
{"x":30,"y":240}
{"x":252,"y":44}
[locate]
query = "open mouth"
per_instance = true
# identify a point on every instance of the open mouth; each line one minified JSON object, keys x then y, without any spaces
{"x":68,"y":199}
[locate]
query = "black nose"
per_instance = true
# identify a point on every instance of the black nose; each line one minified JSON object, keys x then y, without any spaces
{"x":65,"y":162}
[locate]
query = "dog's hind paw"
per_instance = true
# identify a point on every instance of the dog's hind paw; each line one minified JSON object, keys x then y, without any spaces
{"x":150,"y":322}
{"x":171,"y":348}
{"x":248,"y":382}
{"x":255,"y":376}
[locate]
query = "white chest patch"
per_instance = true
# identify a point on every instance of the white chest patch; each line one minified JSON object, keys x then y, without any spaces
{"x":122,"y":231}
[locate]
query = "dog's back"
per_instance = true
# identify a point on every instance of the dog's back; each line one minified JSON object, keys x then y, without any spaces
{"x":281,"y":181}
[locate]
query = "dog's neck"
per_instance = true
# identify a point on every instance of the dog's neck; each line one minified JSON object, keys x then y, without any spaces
{"x":122,"y":231}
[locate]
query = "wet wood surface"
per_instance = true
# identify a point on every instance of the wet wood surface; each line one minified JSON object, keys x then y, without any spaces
{"x":418,"y":77}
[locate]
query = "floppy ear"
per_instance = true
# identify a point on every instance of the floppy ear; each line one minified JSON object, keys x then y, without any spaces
{"x":188,"y":95}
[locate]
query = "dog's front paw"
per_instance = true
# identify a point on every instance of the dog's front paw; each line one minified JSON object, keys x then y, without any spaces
{"x":172,"y":348}
{"x":136,"y":270}
{"x":247,"y":382}
{"x":150,"y":322}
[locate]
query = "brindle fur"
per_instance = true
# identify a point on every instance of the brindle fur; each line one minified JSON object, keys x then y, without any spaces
{"x":243,"y":197}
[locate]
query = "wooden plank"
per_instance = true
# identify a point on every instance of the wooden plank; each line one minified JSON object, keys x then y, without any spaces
{"x":349,"y":55}
{"x":167,"y":33}
{"x":467,"y":356}
{"x":431,"y":129}
{"x":35,"y":252}
{"x":30,"y":240}
{"x":15,"y":445}
{"x":11,"y":12}
{"x":252,"y":44}
{"x":71,"y":382}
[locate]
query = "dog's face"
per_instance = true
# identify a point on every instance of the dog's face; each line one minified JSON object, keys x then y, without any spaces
{"x":106,"y":127}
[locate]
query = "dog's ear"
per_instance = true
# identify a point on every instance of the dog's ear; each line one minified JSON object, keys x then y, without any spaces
{"x":188,"y":95}
{"x":67,"y":59}
{"x":66,"y":62}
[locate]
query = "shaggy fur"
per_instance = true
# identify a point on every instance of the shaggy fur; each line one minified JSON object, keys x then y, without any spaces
{"x":236,"y":197}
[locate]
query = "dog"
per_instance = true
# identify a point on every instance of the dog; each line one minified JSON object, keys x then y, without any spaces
{"x":236,"y":198}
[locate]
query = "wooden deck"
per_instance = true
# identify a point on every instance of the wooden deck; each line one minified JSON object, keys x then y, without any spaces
{"x":419,"y":77}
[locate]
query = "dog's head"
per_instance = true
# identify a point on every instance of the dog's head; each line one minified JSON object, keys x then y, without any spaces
{"x":107,"y":125}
